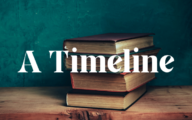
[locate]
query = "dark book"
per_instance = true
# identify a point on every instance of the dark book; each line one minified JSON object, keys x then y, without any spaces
{"x":111,"y":82}
{"x":149,"y":51}
{"x":110,"y":43}
{"x":107,"y":100}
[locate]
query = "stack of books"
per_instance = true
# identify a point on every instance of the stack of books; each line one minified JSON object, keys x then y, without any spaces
{"x":109,"y":90}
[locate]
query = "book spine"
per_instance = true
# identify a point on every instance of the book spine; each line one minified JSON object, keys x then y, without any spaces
{"x":72,"y":81}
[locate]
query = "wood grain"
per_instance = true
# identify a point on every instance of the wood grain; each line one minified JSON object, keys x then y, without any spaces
{"x":48,"y":103}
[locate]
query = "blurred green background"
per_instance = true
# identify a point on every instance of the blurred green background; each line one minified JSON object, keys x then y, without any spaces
{"x":42,"y":25}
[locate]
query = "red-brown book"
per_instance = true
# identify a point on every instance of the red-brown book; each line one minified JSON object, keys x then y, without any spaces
{"x":148,"y":52}
{"x":110,"y":43}
{"x":110,"y":82}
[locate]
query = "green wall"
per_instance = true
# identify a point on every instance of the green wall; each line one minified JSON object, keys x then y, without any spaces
{"x":42,"y":25}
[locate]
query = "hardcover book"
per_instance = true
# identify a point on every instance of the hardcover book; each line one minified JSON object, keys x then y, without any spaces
{"x":149,"y":51}
{"x":110,"y":82}
{"x":110,"y":43}
{"x":100,"y":99}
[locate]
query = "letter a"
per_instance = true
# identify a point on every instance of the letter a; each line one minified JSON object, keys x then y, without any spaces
{"x":32,"y":61}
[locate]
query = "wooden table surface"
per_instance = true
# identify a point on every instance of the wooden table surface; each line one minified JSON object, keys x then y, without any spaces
{"x":48,"y":103}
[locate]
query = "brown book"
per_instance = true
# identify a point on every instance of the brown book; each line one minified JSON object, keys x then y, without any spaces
{"x":149,"y":51}
{"x":100,"y":99}
{"x":110,"y":43}
{"x":111,"y":82}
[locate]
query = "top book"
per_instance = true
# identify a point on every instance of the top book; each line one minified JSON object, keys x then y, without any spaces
{"x":110,"y":43}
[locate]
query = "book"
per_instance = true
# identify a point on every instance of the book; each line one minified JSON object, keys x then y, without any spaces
{"x":110,"y":82}
{"x":110,"y":43}
{"x":107,"y":100}
{"x":149,"y":51}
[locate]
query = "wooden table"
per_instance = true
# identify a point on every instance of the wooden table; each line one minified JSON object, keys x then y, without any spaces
{"x":48,"y":103}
